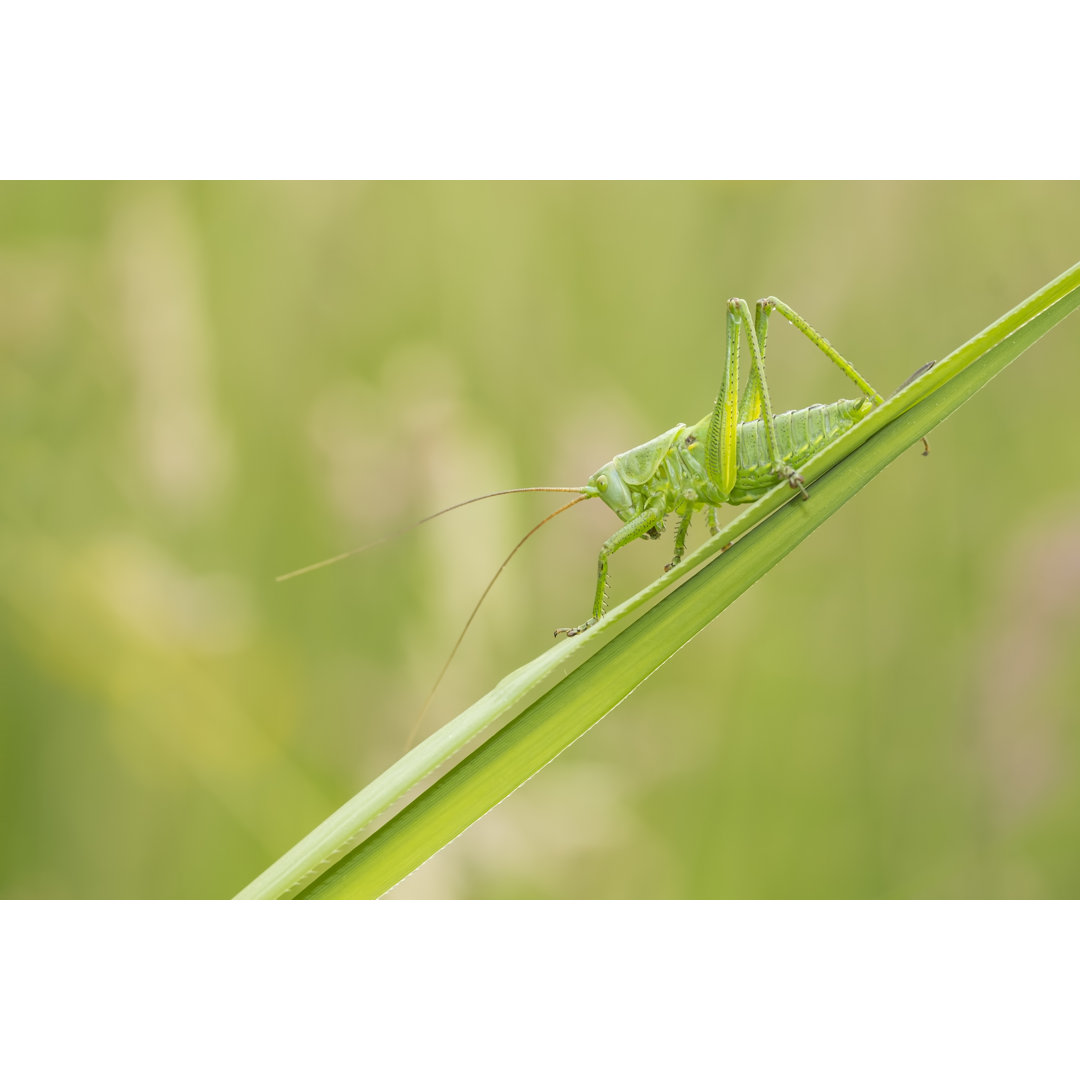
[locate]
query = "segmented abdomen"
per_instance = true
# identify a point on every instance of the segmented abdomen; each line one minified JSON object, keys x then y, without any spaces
{"x":799,"y":435}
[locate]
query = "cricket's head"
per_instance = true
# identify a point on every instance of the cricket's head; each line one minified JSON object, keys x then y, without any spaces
{"x":609,"y":486}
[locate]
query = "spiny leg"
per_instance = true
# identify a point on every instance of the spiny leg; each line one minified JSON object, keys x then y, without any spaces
{"x":750,"y":404}
{"x":757,"y":392}
{"x":652,"y":517}
{"x":720,"y":450}
{"x":770,"y":303}
{"x":680,"y":540}
{"x":755,"y":400}
{"x":758,"y":386}
{"x":714,"y":525}
{"x":721,"y":465}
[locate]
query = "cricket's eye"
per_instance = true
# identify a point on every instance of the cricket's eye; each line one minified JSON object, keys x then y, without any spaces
{"x":601,"y":483}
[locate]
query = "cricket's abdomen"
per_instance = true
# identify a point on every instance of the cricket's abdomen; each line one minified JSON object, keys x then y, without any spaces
{"x":799,"y":435}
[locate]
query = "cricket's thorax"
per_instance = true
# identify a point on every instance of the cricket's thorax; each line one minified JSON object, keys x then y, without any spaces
{"x":669,"y":471}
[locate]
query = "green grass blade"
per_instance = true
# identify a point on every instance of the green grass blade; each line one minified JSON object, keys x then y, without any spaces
{"x":513,"y":754}
{"x":570,"y":708}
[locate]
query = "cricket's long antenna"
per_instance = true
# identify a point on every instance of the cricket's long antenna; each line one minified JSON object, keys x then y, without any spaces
{"x":483,"y":596}
{"x":416,"y":524}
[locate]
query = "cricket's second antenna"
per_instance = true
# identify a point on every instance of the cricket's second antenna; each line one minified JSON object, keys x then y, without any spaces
{"x":584,"y":492}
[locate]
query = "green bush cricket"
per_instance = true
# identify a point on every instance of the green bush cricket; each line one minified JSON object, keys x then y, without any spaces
{"x":734,"y":454}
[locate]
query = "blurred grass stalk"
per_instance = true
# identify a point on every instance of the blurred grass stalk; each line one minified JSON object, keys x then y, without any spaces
{"x":332,"y":862}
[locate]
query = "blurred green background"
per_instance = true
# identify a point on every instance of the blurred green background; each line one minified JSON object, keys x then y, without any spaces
{"x":205,"y":385}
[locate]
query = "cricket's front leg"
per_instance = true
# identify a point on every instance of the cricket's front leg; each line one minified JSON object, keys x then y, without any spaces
{"x":652,"y":517}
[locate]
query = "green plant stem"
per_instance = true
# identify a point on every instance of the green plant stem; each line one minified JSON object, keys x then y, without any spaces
{"x":342,"y":869}
{"x":547,"y":727}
